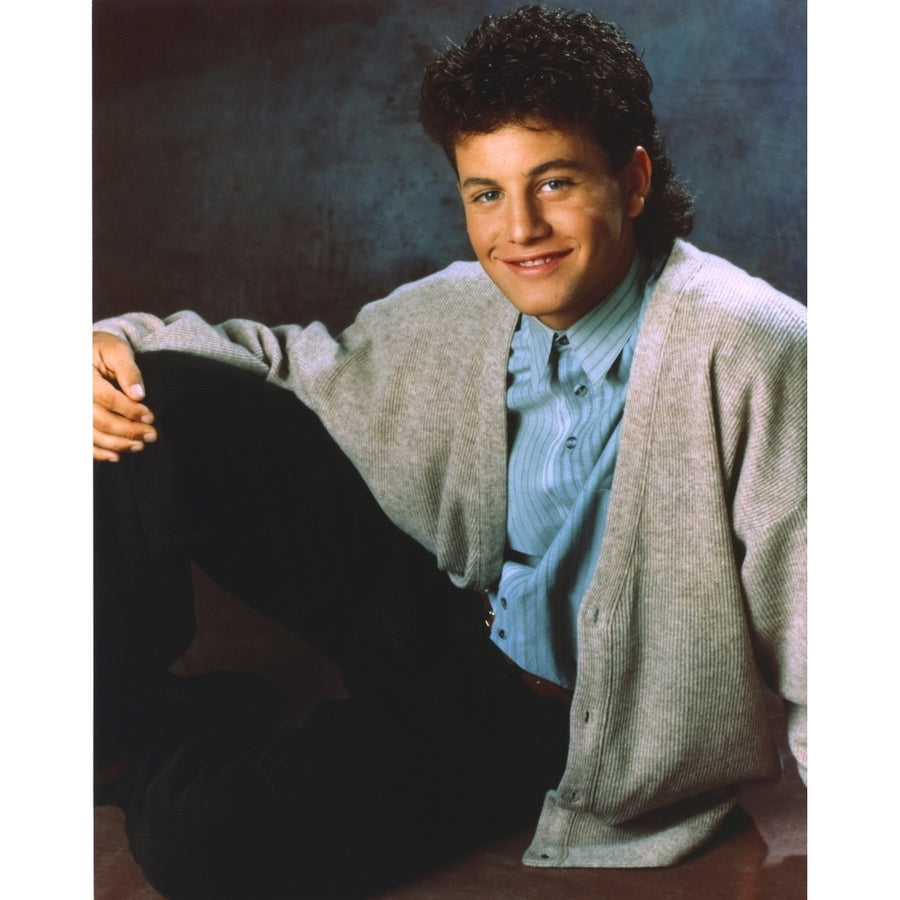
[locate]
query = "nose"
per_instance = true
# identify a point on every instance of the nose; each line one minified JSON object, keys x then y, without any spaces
{"x":525,"y":220}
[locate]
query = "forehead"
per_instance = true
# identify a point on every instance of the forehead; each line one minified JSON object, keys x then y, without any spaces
{"x":521,"y":148}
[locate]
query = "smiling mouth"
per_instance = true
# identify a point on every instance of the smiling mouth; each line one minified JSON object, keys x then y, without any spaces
{"x":537,"y":261}
{"x":528,"y":263}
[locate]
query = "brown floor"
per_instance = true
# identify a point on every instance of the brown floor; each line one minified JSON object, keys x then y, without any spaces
{"x":761,"y":855}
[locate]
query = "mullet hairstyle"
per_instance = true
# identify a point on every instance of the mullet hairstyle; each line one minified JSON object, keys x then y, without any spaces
{"x":574,"y":73}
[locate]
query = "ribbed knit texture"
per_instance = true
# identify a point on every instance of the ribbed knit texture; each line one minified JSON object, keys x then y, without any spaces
{"x":700,"y":586}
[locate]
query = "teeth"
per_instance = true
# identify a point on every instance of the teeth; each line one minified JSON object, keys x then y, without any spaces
{"x":535,"y":262}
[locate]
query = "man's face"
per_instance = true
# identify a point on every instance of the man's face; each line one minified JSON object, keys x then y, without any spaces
{"x":549,"y":222}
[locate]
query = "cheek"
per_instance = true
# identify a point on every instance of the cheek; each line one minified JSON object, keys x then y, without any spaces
{"x":603,"y":216}
{"x":479,"y":236}
{"x":601,"y":228}
{"x":581,"y":222}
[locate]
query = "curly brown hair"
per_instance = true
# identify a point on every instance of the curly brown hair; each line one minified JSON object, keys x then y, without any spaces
{"x":573,"y":72}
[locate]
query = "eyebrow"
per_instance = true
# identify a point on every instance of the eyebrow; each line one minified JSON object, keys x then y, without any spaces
{"x":560,"y":163}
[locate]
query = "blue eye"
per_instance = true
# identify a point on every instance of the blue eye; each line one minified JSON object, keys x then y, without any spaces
{"x":487,"y":197}
{"x":555,"y":184}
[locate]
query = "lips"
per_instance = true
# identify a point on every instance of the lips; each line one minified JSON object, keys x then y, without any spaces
{"x":536,"y":264}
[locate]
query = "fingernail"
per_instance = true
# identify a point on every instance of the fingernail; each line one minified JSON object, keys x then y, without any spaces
{"x":135,"y":448}
{"x":149,"y":438}
{"x":148,"y":419}
{"x":136,"y":391}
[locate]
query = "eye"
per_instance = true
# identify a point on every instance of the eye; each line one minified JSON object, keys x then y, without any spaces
{"x":554,"y":185}
{"x":486,"y":197}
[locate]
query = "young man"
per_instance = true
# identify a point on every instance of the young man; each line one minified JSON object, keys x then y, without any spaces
{"x":598,"y":433}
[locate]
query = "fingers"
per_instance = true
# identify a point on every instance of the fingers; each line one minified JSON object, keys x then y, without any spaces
{"x":111,"y":438}
{"x":114,"y":360}
{"x":121,"y":424}
{"x":108,"y":396}
{"x":110,"y":448}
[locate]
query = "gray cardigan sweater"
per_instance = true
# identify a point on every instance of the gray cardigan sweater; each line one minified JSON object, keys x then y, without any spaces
{"x":699,"y":591}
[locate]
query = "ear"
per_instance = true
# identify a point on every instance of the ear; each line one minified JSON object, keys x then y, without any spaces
{"x":637,"y":175}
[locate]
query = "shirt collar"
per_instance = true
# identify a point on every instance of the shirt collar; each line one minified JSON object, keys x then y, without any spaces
{"x":598,"y":336}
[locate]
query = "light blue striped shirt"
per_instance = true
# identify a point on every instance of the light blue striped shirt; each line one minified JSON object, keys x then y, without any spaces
{"x":565,"y":399}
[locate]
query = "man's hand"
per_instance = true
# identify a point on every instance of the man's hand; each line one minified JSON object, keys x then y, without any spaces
{"x":122,"y":424}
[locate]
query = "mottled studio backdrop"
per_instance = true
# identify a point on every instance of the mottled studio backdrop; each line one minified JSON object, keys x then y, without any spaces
{"x":262,"y":158}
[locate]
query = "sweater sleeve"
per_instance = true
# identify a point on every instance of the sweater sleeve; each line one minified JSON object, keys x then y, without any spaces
{"x":769,"y":513}
{"x":416,"y":414}
{"x":286,"y":355}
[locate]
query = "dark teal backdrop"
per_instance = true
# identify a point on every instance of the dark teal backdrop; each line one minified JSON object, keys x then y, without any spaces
{"x":262,"y":158}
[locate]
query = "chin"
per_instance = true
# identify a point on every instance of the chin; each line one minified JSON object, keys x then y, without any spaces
{"x":537,"y":307}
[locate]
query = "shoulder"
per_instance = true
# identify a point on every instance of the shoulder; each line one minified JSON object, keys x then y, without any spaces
{"x":448,"y":321}
{"x":452,"y":302}
{"x":461,"y":284}
{"x":708,"y":293}
{"x":710,"y":323}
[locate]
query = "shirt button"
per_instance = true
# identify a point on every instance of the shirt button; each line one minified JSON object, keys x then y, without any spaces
{"x":581,"y":390}
{"x":503,"y":602}
{"x":501,"y":634}
{"x":571,"y":442}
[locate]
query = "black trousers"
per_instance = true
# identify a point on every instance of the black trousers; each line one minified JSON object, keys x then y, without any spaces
{"x":440,"y":745}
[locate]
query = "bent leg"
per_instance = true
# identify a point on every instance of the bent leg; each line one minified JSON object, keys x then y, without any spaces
{"x":244,"y":481}
{"x":363,"y":797}
{"x":440,"y":745}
